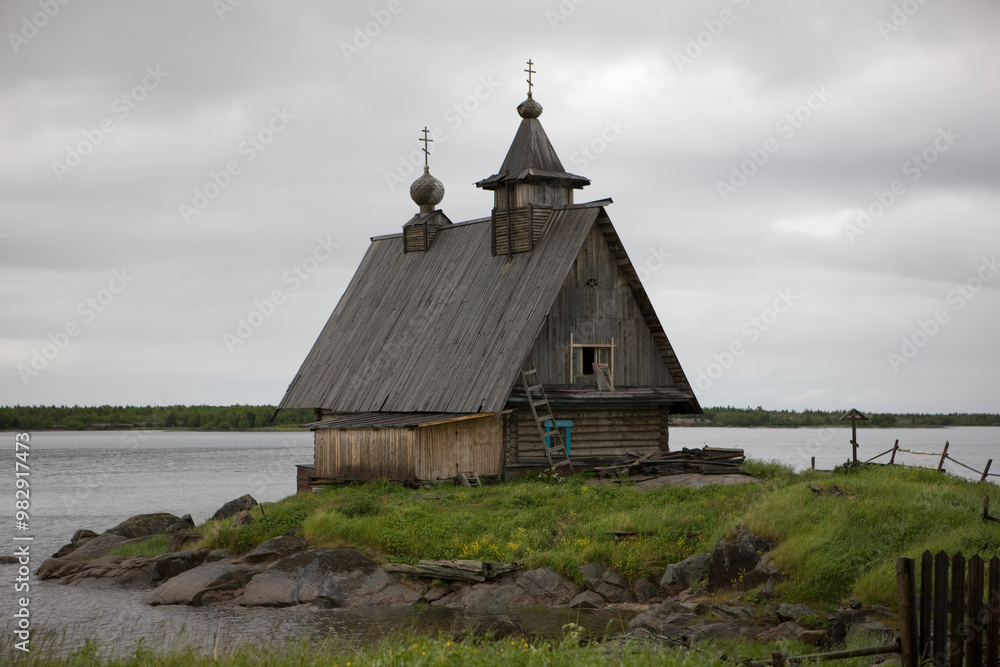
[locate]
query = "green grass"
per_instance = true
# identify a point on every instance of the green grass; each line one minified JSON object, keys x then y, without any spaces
{"x":157,"y":545}
{"x":834,"y":547}
{"x":399,"y":650}
{"x":847,"y":545}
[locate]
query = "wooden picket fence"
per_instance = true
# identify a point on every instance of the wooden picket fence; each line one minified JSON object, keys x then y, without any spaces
{"x":954,"y":620}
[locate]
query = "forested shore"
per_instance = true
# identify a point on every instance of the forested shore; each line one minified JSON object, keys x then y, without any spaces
{"x":255,"y":417}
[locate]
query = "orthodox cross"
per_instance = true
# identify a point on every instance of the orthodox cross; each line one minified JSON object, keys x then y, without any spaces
{"x":530,"y":72}
{"x":426,"y":142}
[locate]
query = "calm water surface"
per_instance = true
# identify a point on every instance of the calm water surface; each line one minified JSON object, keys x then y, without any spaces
{"x":96,"y":479}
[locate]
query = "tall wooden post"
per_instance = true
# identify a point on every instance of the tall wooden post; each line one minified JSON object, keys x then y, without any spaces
{"x":906,"y":592}
{"x":854,"y":440}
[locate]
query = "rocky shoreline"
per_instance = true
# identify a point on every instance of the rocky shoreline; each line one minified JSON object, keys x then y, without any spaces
{"x":285,"y":572}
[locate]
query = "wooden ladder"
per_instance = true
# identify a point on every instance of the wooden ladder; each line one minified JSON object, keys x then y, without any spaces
{"x":472,"y":479}
{"x":541,"y":411}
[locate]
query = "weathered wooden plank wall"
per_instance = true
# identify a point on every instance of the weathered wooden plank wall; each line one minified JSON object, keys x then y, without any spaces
{"x":365,"y":453}
{"x":596,"y":314}
{"x":442,"y":451}
{"x":598,"y":431}
{"x":432,"y":452}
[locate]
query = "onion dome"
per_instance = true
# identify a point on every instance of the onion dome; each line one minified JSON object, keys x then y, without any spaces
{"x":529,"y":108}
{"x":427,"y":191}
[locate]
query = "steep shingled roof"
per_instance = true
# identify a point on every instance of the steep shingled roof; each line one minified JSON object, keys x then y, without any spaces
{"x":448,"y":330}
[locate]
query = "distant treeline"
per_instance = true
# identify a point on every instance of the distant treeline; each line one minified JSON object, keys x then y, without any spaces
{"x":243,"y":417}
{"x":749,"y":417}
{"x":201,"y":417}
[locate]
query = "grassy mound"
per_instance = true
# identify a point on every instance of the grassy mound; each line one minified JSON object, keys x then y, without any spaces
{"x":834,"y":547}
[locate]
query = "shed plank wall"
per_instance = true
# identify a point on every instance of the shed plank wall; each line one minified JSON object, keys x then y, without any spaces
{"x":473,"y":445}
{"x":596,"y":315}
{"x":599,"y":432}
{"x":365,"y":453}
{"x":432,"y":452}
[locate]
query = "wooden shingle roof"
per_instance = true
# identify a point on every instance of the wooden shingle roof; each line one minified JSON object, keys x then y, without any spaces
{"x":441,"y":331}
{"x":447,"y":331}
{"x":531,"y":157}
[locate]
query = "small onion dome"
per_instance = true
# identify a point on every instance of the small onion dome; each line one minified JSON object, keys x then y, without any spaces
{"x":427,"y":190}
{"x":529,"y":108}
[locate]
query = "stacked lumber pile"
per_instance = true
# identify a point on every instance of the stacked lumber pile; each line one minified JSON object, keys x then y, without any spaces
{"x":705,"y":461}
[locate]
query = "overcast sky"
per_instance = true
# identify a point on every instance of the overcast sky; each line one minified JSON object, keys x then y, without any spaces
{"x":810,"y":189}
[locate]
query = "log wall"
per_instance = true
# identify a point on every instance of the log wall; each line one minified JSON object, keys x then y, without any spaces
{"x":598,"y":432}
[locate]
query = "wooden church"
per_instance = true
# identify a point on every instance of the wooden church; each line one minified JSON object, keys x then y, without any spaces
{"x":487,"y":347}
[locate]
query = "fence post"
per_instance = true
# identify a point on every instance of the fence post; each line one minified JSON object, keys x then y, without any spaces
{"x":957,"y":652}
{"x":974,"y":643}
{"x":986,"y":471}
{"x":939,"y":646}
{"x":906,"y":593}
{"x":926,"y":587}
{"x":944,"y":455}
{"x":895,"y":448}
{"x":993,"y":606}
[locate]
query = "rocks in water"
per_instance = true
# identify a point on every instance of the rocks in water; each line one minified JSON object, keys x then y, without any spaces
{"x":209,"y":582}
{"x":243,"y":518}
{"x":147,"y":525}
{"x":680,"y":576}
{"x":535,"y":587}
{"x":275,"y":548}
{"x":172,"y":564}
{"x":82,"y":534}
{"x":587,"y":600}
{"x":234,"y":507}
{"x":79,"y":538}
{"x":607,"y":583}
{"x":645,"y":591}
{"x":95,"y":547}
{"x":328,"y":578}
{"x":667,"y":619}
{"x":733,"y":562}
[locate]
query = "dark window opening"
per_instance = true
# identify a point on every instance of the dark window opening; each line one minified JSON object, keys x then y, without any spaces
{"x":588,"y":360}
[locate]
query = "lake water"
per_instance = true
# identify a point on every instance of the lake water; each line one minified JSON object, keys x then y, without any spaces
{"x":96,"y":479}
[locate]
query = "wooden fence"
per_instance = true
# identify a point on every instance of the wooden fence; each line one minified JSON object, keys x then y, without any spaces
{"x":942,"y":457}
{"x":954,"y":619}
